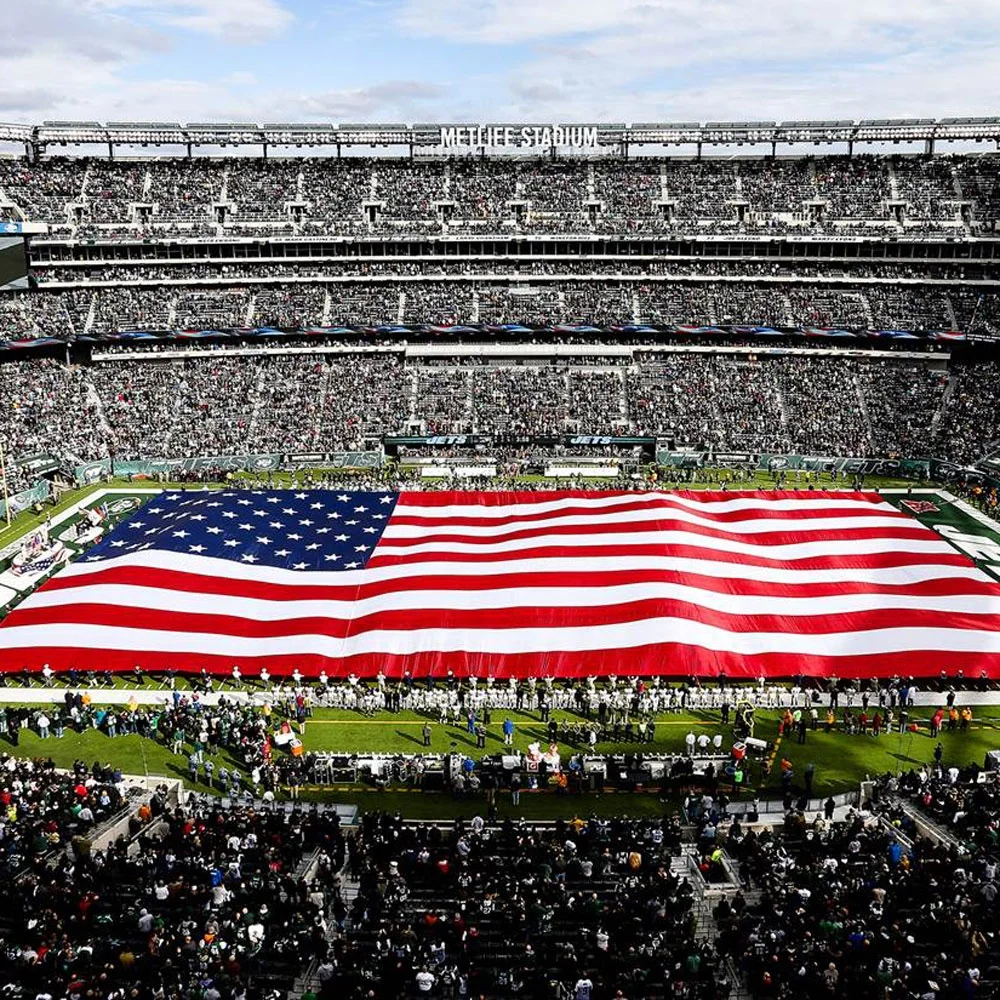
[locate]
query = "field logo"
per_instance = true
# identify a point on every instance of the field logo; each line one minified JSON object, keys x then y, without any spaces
{"x":921,"y":506}
{"x":979,"y":548}
{"x":122,"y":506}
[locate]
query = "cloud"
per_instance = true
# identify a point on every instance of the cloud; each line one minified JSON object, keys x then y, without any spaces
{"x":242,"y":21}
{"x":398,"y":97}
{"x":31,"y":99}
{"x":703,"y":59}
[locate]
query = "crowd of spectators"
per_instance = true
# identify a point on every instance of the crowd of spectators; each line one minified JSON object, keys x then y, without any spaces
{"x":42,"y":809}
{"x":579,"y":909}
{"x":225,"y":404}
{"x":872,"y":902}
{"x":356,"y":194}
{"x":212,"y":903}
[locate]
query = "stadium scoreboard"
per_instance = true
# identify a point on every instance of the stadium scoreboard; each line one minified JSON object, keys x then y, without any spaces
{"x":14,"y":238}
{"x":13,"y":263}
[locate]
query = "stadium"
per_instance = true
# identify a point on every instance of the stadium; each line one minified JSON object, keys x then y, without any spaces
{"x":500,"y":559}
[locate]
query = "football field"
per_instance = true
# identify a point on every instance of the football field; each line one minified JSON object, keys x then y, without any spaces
{"x":748,"y":583}
{"x":840,"y":760}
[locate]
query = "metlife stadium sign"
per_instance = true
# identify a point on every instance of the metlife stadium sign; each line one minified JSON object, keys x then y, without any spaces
{"x":524,"y":137}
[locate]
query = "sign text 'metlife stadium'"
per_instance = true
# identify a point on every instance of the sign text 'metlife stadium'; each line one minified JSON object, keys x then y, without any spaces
{"x":525,"y":137}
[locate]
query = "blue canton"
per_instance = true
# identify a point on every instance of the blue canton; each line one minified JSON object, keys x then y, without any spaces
{"x":314,"y":530}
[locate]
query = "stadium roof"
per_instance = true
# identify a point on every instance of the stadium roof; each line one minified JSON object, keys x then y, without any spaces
{"x":427,"y":135}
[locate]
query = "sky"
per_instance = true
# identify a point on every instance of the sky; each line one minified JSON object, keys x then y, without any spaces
{"x":496,"y":60}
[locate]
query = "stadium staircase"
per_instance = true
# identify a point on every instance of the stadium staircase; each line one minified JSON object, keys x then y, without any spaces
{"x":867,"y":307}
{"x":172,"y":314}
{"x":863,"y":405}
{"x":309,"y":981}
{"x":950,"y":310}
{"x":949,"y":391}
{"x":91,"y":314}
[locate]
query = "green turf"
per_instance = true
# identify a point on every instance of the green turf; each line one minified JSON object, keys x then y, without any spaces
{"x":841,"y":761}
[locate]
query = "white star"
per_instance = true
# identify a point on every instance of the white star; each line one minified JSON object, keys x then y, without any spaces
{"x":216,"y":504}
{"x":215,"y":530}
{"x":137,"y":524}
{"x":276,"y":524}
{"x":378,"y":517}
{"x":181,"y":534}
{"x":361,"y":548}
{"x":323,"y":531}
{"x":287,"y":510}
{"x":245,"y":503}
{"x":306,"y":522}
{"x":300,"y":496}
{"x":334,"y":515}
{"x":229,"y":513}
{"x":273,"y":500}
{"x":282,"y":553}
{"x":295,"y":538}
{"x":155,"y":510}
{"x":341,"y":538}
{"x":196,"y":548}
{"x":151,"y":531}
{"x":197,"y":517}
{"x":118,"y":544}
{"x":312,"y":547}
{"x":315,"y":506}
{"x":301,"y":565}
{"x":353,"y":565}
{"x":263,"y":539}
{"x":231,"y":542}
{"x":249,"y":557}
{"x":370,"y":531}
{"x":360,"y":510}
{"x":343,"y":497}
{"x":332,"y":557}
{"x":351,"y":522}
{"x":385,"y":500}
{"x":245,"y":527}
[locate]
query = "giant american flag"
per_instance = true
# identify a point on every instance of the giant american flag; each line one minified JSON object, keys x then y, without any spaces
{"x":515,"y":583}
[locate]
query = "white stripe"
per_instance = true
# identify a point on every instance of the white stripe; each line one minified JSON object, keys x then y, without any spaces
{"x":790,"y":552}
{"x":652,"y":518}
{"x":255,"y":609}
{"x":223,"y":568}
{"x":665,"y":500}
{"x":493,"y":641}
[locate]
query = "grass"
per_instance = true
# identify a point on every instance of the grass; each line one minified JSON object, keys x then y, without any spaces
{"x":841,"y":761}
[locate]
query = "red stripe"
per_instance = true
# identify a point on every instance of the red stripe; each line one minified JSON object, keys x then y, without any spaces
{"x":458,"y":498}
{"x":609,"y":551}
{"x":177,"y":580}
{"x":665,"y":659}
{"x":404,"y":514}
{"x":915,"y":532}
{"x":500,"y":620}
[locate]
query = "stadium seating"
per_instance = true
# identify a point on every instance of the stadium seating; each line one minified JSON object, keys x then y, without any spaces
{"x":563,"y":196}
{"x":809,"y":404}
